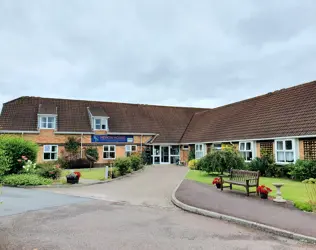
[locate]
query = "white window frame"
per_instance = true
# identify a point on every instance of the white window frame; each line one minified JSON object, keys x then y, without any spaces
{"x":284,"y":151}
{"x":245,"y":150}
{"x":41,"y":123}
{"x":129,"y":149}
{"x":109,"y":151}
{"x":103,"y":121}
{"x":199,"y":149}
{"x":50,"y":152}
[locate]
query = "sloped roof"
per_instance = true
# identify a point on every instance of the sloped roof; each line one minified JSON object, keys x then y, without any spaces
{"x":286,"y":112}
{"x":168,"y":122}
{"x":47,"y":109}
{"x":98,"y":111}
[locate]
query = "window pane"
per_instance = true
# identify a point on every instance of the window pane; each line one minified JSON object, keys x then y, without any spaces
{"x":289,"y":156}
{"x":51,"y":119}
{"x":127,"y":148}
{"x":98,"y":121}
{"x":46,"y":156}
{"x":112,"y":148}
{"x":201,"y":147}
{"x":103,"y":126}
{"x":248,"y":146}
{"x":53,"y":156}
{"x":242,"y":146}
{"x":134,"y":148}
{"x":43,"y":122}
{"x":50,"y":125}
{"x":112,"y":155}
{"x":106,"y":148}
{"x":43,"y":119}
{"x":248,"y":156}
{"x":46,"y":148}
{"x":156,"y":160}
{"x":54,"y":148}
{"x":288,"y":145}
{"x":128,"y":153}
{"x":174,"y":150}
{"x":279,"y":145}
{"x":280,"y":157}
{"x":105,"y":155}
{"x":97,"y":126}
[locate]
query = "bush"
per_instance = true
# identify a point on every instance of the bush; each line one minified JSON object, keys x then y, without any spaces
{"x":114,"y":173}
{"x":72,"y":146}
{"x":93,"y":151}
{"x":123,"y":164}
{"x":221,"y":161}
{"x":63,"y":162}
{"x":191,"y":155}
{"x":50,"y":170}
{"x":5,"y":162}
{"x":259,"y":164}
{"x":136,"y":162}
{"x":25,"y":180}
{"x":193,"y":164}
{"x":303,"y":169}
{"x":78,"y":163}
{"x":14,"y":148}
{"x":305,"y":206}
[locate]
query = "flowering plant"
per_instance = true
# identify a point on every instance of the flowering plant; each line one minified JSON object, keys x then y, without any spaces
{"x":28,"y":166}
{"x":71,"y":176}
{"x":78,"y":174}
{"x":216,"y":180}
{"x":263,"y":189}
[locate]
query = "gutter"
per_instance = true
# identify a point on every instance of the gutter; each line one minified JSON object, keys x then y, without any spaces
{"x":75,"y":133}
{"x":18,"y":132}
{"x":127,"y":133}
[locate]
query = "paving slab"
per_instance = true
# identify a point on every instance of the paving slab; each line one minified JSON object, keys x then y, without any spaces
{"x":248,"y":208}
{"x":19,"y":200}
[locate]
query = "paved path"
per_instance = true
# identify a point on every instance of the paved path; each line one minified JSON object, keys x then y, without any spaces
{"x":19,"y":200}
{"x":262,"y":211}
{"x":132,"y":213}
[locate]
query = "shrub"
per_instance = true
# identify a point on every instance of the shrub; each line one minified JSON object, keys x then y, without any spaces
{"x":50,"y":170}
{"x":5,"y":162}
{"x":191,"y":154}
{"x":193,"y":164}
{"x":93,"y":151}
{"x":63,"y":162}
{"x":221,"y":161}
{"x":136,"y":162}
{"x":310,"y":185}
{"x":122,"y":164}
{"x":305,"y":206}
{"x":72,"y":146}
{"x":29,"y":167}
{"x":303,"y":169}
{"x":259,"y":164}
{"x":25,"y":180}
{"x":114,"y":173}
{"x":14,"y":148}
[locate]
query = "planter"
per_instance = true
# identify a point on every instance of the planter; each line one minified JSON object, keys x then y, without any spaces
{"x":218,"y":185}
{"x":72,"y":180}
{"x":263,"y":196}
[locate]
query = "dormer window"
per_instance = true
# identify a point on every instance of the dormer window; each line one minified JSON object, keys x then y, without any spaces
{"x":100,"y":124}
{"x":98,"y":118}
{"x":47,"y":122}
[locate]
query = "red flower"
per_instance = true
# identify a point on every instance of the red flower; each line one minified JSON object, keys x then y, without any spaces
{"x":24,"y":157}
{"x":216,"y":180}
{"x":78,"y":174}
{"x":264,"y":190}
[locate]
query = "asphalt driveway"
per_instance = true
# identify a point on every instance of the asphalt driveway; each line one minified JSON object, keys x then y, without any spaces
{"x":19,"y":200}
{"x":152,"y":187}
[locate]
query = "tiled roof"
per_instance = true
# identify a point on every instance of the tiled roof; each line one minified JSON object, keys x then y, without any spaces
{"x":47,"y":109}
{"x":98,"y":111}
{"x":168,"y":122}
{"x":287,"y":112}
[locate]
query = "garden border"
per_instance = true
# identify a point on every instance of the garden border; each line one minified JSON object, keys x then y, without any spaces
{"x":79,"y":185}
{"x":239,"y":221}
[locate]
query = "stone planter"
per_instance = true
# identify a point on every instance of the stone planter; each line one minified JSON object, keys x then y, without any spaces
{"x":218,"y":185}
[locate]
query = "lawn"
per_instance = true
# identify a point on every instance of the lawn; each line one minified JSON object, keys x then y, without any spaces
{"x":292,"y":190}
{"x":86,"y":173}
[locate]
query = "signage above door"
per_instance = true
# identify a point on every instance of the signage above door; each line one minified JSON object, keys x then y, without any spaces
{"x":112,"y":138}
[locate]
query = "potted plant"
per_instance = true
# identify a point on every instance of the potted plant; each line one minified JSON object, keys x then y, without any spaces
{"x":217,"y":182}
{"x":73,"y":178}
{"x":264,"y":191}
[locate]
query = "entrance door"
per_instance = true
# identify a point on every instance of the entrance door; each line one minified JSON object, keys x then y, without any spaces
{"x":164,"y":154}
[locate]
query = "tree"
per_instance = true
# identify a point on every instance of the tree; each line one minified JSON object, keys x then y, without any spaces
{"x":72,"y":147}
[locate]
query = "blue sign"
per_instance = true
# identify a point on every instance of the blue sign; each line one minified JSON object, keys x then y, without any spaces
{"x":112,"y":138}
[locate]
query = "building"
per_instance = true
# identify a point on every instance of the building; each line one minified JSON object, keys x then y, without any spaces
{"x":282,"y":122}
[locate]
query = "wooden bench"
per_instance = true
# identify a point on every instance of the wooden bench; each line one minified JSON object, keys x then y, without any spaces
{"x":242,"y":178}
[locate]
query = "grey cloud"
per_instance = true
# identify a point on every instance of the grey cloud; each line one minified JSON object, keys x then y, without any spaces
{"x":160,"y":52}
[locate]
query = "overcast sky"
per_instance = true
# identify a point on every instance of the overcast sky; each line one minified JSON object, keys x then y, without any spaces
{"x":190,"y":53}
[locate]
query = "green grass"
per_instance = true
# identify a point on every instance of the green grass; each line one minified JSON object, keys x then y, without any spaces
{"x":292,"y":190}
{"x":86,"y":173}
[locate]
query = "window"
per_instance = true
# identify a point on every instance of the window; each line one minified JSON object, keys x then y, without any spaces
{"x":50,"y":152}
{"x":47,"y":122}
{"x":130,"y":149}
{"x":100,"y":124}
{"x":245,"y":149}
{"x":185,"y":147}
{"x":217,"y":146}
{"x":109,"y":152}
{"x":199,"y":151}
{"x":284,"y":151}
{"x":174,"y":154}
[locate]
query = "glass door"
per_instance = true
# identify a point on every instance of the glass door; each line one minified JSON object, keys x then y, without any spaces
{"x":164,"y":154}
